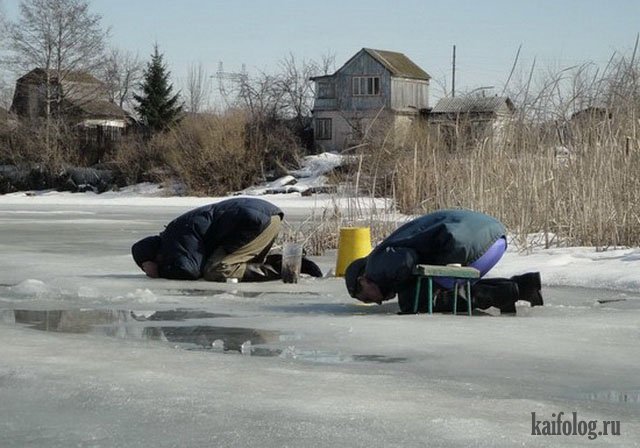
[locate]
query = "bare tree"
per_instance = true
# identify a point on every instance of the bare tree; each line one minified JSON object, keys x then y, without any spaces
{"x":60,"y":36}
{"x":327,"y":63}
{"x":296,"y":86}
{"x":260,"y":96}
{"x":198,"y":88}
{"x":5,"y":88}
{"x":122,"y":72}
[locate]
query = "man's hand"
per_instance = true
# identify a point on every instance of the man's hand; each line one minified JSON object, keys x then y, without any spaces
{"x":150,"y":268}
{"x":369,"y":291}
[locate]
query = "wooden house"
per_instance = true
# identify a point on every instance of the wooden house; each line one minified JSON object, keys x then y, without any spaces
{"x":78,"y":98}
{"x":467,"y":119}
{"x":373,"y":87}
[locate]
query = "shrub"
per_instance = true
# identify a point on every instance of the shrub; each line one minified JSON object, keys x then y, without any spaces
{"x":51,"y":146}
{"x":208,"y":153}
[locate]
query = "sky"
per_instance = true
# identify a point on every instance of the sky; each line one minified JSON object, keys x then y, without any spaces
{"x":487,"y":35}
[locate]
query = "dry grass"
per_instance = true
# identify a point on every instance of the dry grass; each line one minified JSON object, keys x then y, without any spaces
{"x":216,"y":154}
{"x":588,"y":195}
{"x":51,"y":146}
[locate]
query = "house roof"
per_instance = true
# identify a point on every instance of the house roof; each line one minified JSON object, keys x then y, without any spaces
{"x":466,"y":104}
{"x":101,"y":108}
{"x":38,"y":75}
{"x":591,"y":112}
{"x":398,"y":64}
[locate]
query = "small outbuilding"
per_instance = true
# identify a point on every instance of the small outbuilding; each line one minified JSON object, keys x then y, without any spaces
{"x":468,"y":119}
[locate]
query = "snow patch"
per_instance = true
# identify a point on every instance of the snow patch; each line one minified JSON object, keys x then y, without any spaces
{"x":32,"y":288}
{"x":142,"y":296}
{"x":310,"y":177}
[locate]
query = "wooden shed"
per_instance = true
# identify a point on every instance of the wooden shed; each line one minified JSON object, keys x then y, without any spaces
{"x":470,"y":119}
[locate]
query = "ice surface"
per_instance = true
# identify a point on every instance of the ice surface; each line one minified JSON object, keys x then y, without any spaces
{"x":129,"y":361}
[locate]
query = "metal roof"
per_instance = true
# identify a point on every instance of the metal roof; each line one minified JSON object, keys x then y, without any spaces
{"x":466,"y":104}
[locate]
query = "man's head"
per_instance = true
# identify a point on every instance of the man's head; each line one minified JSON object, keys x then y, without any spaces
{"x":360,"y":286}
{"x":146,"y":253}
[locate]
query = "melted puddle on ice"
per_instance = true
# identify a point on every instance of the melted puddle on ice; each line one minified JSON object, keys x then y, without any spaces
{"x":235,"y":292}
{"x":170,"y":326}
{"x":213,"y":292}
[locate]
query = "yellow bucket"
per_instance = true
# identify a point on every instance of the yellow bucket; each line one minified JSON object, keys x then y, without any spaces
{"x":354,"y":243}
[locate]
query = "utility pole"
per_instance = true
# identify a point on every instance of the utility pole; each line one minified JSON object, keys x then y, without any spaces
{"x":453,"y":74}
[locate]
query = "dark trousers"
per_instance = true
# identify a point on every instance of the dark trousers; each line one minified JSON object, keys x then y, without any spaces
{"x":501,"y":293}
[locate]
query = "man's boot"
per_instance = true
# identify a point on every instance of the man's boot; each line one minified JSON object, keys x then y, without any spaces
{"x":501,"y":293}
{"x":529,"y":285}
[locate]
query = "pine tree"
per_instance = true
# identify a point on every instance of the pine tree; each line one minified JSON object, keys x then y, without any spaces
{"x":157,"y":107}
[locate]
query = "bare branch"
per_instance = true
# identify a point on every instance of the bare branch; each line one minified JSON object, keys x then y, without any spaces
{"x":122,"y":72}
{"x":198,"y":88}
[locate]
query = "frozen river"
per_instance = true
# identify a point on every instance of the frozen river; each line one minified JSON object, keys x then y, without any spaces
{"x":93,"y":354}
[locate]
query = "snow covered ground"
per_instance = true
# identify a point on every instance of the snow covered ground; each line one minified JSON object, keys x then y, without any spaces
{"x":92,"y":353}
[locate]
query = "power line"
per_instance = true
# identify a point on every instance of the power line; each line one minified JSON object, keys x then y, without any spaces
{"x":223,"y":78}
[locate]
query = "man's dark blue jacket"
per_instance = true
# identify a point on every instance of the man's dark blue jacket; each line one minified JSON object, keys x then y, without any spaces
{"x":439,"y":238}
{"x":188,"y":241}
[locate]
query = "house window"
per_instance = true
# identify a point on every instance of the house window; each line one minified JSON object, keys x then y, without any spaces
{"x":326,"y":89}
{"x":323,"y":129}
{"x":365,"y":85}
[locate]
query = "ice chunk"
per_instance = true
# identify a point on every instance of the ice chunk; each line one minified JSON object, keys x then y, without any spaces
{"x":217,"y":346}
{"x":142,"y":295}
{"x":245,"y":348}
{"x":87,"y":292}
{"x":523,"y":308}
{"x":32,"y":288}
{"x":289,"y":352}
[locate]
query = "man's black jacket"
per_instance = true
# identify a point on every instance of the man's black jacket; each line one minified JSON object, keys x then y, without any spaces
{"x":188,"y":241}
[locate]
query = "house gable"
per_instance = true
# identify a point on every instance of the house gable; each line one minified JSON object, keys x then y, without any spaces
{"x":362,"y":63}
{"x":397,"y":64}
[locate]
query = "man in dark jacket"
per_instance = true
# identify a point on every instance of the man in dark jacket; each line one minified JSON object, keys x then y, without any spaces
{"x":445,"y":237}
{"x":228,"y":239}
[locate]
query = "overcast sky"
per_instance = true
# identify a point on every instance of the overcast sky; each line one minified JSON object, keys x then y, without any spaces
{"x":487,"y":34}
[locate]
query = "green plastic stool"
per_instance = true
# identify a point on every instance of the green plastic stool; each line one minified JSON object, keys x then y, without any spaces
{"x":429,"y":272}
